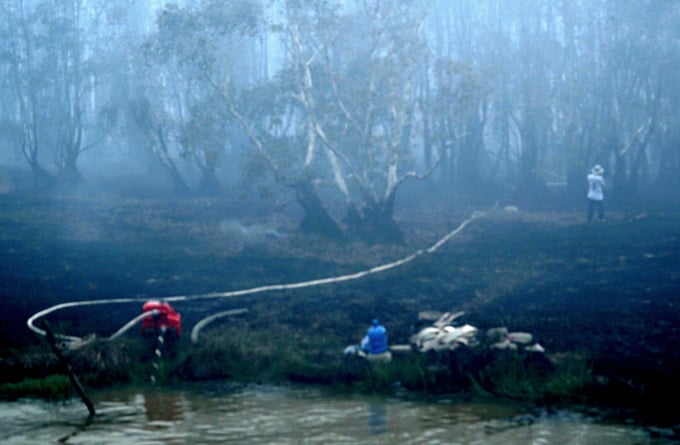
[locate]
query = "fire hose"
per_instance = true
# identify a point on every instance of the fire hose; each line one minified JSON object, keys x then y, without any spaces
{"x":74,"y":342}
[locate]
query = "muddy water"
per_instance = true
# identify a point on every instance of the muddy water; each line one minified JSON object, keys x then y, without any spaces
{"x":264,"y":415}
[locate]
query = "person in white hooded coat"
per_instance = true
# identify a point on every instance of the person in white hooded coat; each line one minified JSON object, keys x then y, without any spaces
{"x":596,"y":193}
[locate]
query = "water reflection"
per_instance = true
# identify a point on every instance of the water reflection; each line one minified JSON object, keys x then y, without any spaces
{"x":264,"y":415}
{"x":377,"y":418}
{"x":161,"y":406}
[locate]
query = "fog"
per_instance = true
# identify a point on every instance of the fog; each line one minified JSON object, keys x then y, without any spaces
{"x":346,"y":110}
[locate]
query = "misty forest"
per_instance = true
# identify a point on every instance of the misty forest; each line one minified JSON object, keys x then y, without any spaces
{"x":336,"y":105}
{"x":156,"y":148}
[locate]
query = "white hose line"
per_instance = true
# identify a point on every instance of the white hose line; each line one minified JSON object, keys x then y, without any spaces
{"x":237,"y":293}
{"x":203,"y":323}
{"x":130,"y":324}
{"x":31,"y":321}
{"x":338,"y":279}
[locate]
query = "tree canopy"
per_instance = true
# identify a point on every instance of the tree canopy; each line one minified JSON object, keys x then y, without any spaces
{"x":337,"y":104}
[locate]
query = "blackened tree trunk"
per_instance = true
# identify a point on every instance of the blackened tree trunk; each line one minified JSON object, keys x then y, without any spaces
{"x":374,"y":223}
{"x":154,"y":139}
{"x":623,"y":195}
{"x":42,"y":179}
{"x":471,"y":146}
{"x":69,"y":175}
{"x":531,"y":189}
{"x":316,"y":219}
{"x":180,"y":187}
{"x":209,"y":185}
{"x":668,"y":179}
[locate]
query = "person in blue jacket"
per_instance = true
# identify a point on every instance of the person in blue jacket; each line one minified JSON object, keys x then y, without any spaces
{"x":375,"y":340}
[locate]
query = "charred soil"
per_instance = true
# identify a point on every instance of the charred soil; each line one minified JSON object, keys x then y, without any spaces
{"x":606,"y":293}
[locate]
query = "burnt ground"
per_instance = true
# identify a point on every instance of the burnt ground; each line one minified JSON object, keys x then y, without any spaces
{"x":608,"y":292}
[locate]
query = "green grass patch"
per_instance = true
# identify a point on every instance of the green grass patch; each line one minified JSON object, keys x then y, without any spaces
{"x":513,"y":376}
{"x":55,"y":387}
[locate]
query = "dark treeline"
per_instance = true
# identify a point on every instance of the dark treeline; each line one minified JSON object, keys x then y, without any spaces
{"x":335,"y":104}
